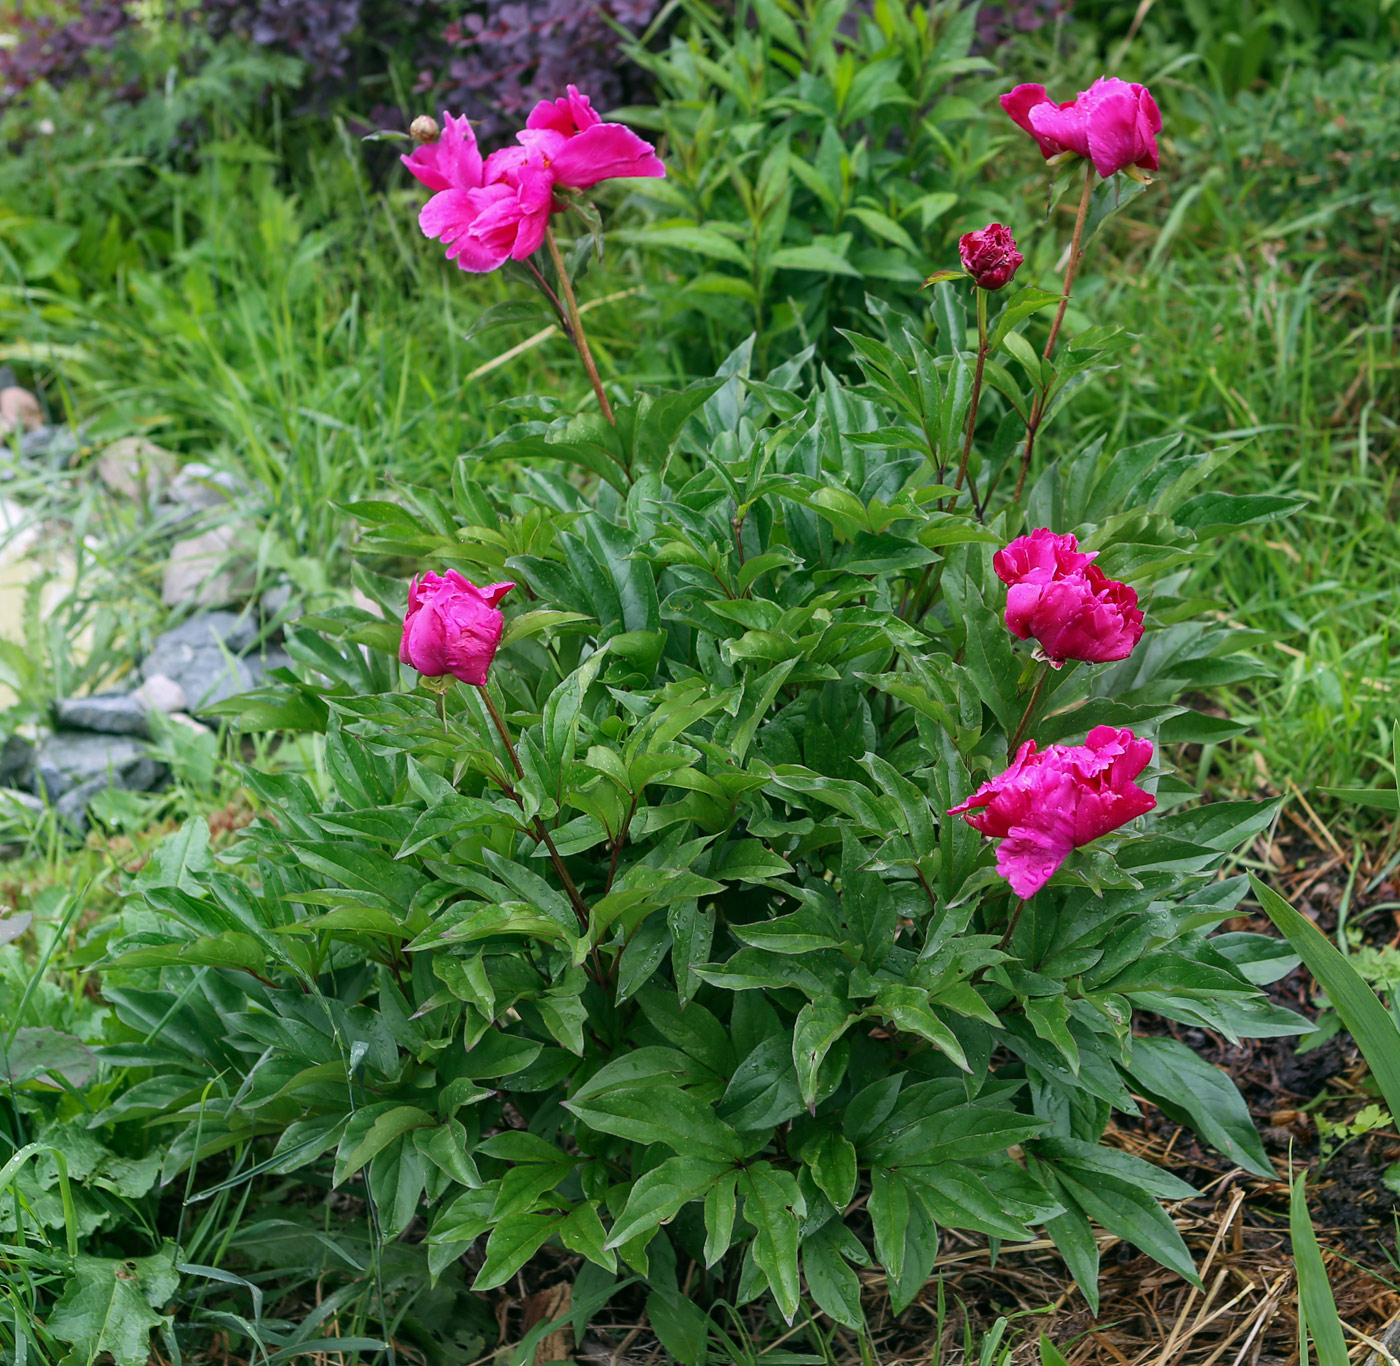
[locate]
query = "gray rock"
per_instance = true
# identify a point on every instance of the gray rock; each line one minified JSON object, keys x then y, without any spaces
{"x":207,"y":570}
{"x":121,"y":713}
{"x":276,"y":601}
{"x":260,"y":665}
{"x":196,"y":656}
{"x":13,"y":800}
{"x":233,"y":631}
{"x":8,"y":378}
{"x":71,"y":808}
{"x":65,"y":762}
{"x":200,"y":487}
{"x":16,"y":761}
{"x":58,"y":443}
{"x":112,"y":713}
{"x":18,"y":812}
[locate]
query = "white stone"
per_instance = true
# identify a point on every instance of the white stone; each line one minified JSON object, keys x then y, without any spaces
{"x":159,"y":693}
{"x":201,"y":487}
{"x":134,"y":467}
{"x":30,"y":549}
{"x":181,"y":718}
{"x":207,"y":570}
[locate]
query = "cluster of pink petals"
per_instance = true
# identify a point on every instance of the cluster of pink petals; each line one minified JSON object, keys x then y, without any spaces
{"x":1057,"y":596}
{"x":452,"y":626}
{"x":990,"y":256}
{"x":494,"y":209}
{"x":1052,"y":801}
{"x":1114,"y":123}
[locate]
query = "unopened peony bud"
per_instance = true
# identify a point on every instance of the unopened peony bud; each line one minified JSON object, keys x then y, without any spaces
{"x":990,"y":256}
{"x":452,"y":627}
{"x":424,"y":129}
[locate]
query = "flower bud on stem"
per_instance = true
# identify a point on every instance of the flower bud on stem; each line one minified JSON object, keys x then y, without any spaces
{"x":1076,"y":250}
{"x":579,"y":338}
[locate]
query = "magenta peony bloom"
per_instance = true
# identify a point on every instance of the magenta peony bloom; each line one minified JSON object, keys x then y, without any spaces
{"x":1113,"y":123}
{"x":1067,"y":603}
{"x":452,"y":626}
{"x":1052,"y":801}
{"x":496,"y":210}
{"x":487,"y":212}
{"x":581,"y":150}
{"x":990,"y":256}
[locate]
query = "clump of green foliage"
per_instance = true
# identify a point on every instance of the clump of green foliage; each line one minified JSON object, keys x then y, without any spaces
{"x":779,"y":1021}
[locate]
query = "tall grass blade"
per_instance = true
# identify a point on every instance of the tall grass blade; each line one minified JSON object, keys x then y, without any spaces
{"x":1365,"y":1018}
{"x":1317,"y":1310}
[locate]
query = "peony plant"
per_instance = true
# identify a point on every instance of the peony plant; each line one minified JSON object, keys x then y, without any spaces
{"x":645,"y":925}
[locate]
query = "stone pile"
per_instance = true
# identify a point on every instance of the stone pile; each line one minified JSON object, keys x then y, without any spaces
{"x":101,"y":741}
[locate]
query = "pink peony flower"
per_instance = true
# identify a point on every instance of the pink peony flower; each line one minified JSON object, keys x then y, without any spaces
{"x":452,"y":626}
{"x":1056,"y":595}
{"x":1050,"y":802}
{"x":1113,"y":123}
{"x":487,"y":212}
{"x":581,"y":150}
{"x":990,"y":256}
{"x":496,"y":210}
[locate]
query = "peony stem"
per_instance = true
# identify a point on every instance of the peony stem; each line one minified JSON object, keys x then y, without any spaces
{"x":1029,"y":711}
{"x":580,"y":338}
{"x":1076,"y":250}
{"x":1012,"y":923}
{"x":559,"y":310}
{"x":976,"y":397}
{"x":571,"y":890}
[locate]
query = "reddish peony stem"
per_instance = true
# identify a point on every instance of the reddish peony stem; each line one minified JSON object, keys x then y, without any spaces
{"x":580,"y":338}
{"x":1076,"y":250}
{"x":976,"y":399}
{"x":542,"y":834}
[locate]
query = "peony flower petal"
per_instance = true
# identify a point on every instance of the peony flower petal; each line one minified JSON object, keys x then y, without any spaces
{"x":605,"y":151}
{"x":1031,"y":855}
{"x":494,"y":592}
{"x":1019,"y":102}
{"x":1063,"y":127}
{"x":448,"y":215}
{"x":1051,"y":801}
{"x":1111,"y":130}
